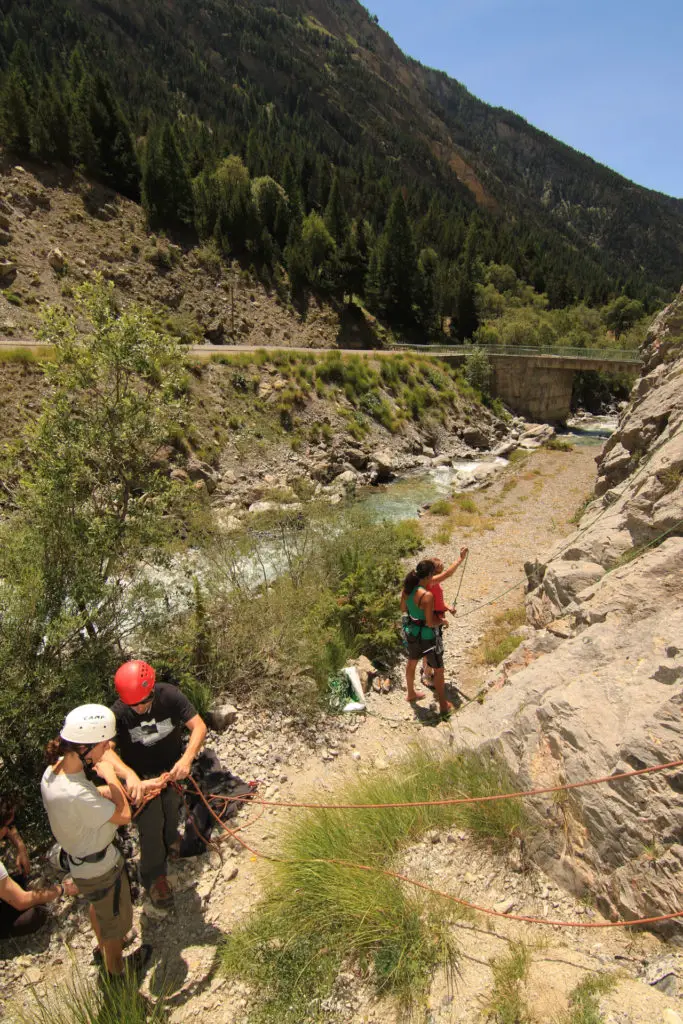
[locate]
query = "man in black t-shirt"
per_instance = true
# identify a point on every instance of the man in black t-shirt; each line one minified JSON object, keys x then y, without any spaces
{"x":150,"y":717}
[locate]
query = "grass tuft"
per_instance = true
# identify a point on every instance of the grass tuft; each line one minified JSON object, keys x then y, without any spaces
{"x":499,"y":640}
{"x":81,"y":1001}
{"x":442,"y":507}
{"x":507,"y":1004}
{"x":584,"y":1005}
{"x":555,"y":444}
{"x":318,"y":917}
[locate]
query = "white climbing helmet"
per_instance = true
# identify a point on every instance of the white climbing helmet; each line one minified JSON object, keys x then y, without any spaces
{"x":89,"y":723}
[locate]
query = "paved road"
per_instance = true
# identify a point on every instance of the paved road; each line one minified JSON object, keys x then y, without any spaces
{"x":592,"y":359}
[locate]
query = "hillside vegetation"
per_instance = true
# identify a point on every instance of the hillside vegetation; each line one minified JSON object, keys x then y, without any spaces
{"x":295,"y":137}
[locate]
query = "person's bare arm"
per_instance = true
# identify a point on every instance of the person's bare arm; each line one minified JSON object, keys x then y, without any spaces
{"x":117,"y":794}
{"x":440,"y":577}
{"x":404,"y":606}
{"x":22,"y":859}
{"x":181,"y":769}
{"x":23,"y":899}
{"x":131,"y":779}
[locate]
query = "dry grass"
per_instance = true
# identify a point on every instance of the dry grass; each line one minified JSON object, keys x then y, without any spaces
{"x":499,"y":640}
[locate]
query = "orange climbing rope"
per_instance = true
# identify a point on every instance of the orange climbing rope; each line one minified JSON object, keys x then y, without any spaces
{"x":437,"y":892}
{"x":451,"y":801}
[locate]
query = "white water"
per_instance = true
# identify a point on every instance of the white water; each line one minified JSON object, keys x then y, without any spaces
{"x":402,"y":498}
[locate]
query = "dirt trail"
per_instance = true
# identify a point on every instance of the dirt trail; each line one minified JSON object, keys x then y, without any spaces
{"x":216,"y":891}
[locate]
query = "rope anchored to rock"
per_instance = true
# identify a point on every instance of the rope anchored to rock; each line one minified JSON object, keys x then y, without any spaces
{"x":489,"y":911}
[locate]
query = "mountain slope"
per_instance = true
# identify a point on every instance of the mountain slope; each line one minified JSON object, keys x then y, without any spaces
{"x":297,"y":87}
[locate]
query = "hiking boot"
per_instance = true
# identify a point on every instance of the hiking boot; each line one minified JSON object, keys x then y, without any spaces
{"x":161,"y":894}
{"x":111,"y":984}
{"x":138,"y":960}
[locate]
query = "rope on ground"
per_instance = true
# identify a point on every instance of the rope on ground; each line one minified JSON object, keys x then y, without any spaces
{"x":489,"y":911}
{"x":453,"y":801}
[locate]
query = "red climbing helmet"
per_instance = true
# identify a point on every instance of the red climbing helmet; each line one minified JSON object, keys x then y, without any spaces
{"x":134,"y":682}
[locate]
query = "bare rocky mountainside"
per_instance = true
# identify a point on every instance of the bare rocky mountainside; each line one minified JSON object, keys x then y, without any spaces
{"x":60,"y":230}
{"x":596,"y":690}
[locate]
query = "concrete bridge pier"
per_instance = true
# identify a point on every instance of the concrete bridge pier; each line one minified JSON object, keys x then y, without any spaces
{"x":537,"y":392}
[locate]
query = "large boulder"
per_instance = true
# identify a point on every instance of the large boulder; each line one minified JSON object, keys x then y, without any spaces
{"x":608,"y":695}
{"x":8,"y":269}
{"x":57,"y":260}
{"x":606,"y":700}
{"x":477,"y":438}
{"x":198,"y":470}
{"x":383,"y":463}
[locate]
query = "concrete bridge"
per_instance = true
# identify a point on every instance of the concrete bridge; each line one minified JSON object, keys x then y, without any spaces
{"x":534,"y":382}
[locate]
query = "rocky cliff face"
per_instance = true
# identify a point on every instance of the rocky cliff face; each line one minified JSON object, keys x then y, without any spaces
{"x":598,"y":688}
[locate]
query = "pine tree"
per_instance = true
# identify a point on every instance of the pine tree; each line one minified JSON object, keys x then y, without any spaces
{"x":16,"y":101}
{"x":117,"y":163}
{"x":335,"y":213}
{"x":295,"y":260}
{"x":427,"y":291}
{"x":83,"y":141}
{"x":397,"y":264}
{"x":465,"y":320}
{"x":15,"y":114}
{"x":166,"y":185}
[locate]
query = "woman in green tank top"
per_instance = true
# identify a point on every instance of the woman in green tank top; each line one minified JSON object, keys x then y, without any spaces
{"x":422,"y":636}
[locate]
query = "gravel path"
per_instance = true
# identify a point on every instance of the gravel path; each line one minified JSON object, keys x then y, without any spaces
{"x":527,"y":510}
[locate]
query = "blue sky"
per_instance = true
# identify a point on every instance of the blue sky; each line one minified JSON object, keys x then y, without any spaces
{"x":605,"y":76}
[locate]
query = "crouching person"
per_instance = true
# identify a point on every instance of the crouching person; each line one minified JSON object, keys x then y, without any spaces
{"x":22,"y":910}
{"x":84,"y":818}
{"x":150,"y":718}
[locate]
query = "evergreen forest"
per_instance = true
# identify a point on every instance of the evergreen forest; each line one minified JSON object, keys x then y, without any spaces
{"x":295,"y":137}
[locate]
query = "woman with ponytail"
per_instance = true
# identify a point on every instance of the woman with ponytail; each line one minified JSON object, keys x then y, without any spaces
{"x":84,"y":819}
{"x":422,"y":633}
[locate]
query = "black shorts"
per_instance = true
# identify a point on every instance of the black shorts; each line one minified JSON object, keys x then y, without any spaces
{"x":432,"y":649}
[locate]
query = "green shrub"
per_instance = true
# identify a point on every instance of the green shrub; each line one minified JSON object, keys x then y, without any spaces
{"x":555,"y":444}
{"x":478,"y":371}
{"x":584,"y":999}
{"x":198,"y":694}
{"x":184,"y":327}
{"x":442,"y":507}
{"x":334,"y":595}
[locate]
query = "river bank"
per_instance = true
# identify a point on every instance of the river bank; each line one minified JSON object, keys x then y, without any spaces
{"x":527,"y":509}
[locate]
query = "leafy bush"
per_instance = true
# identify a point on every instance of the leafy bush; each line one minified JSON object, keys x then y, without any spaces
{"x":89,"y":511}
{"x":478,"y":371}
{"x":321,"y":586}
{"x":440,"y":508}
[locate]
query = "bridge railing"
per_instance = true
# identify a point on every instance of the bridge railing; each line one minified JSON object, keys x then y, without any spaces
{"x":612,"y":355}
